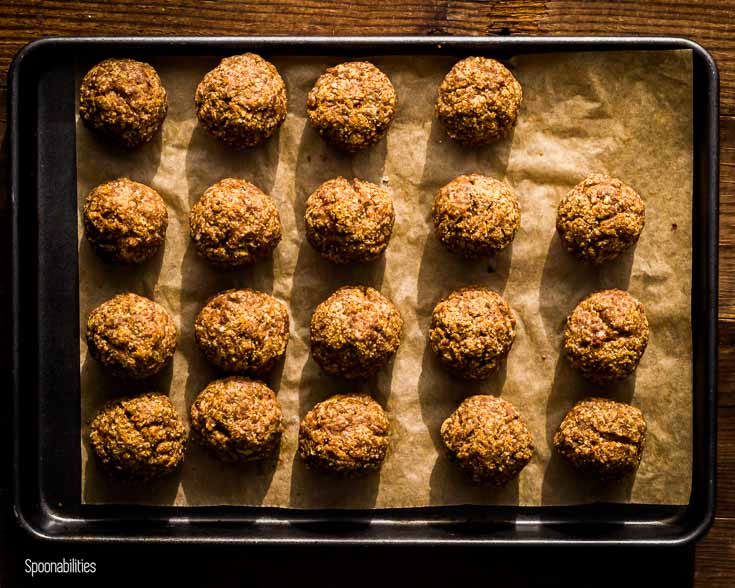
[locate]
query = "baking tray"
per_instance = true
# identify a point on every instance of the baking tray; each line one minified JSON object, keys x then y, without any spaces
{"x":46,"y":390}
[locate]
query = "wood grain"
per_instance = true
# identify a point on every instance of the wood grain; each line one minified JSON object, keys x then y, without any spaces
{"x":715,"y":565}
{"x":726,"y":463}
{"x":709,"y":23}
{"x":727,"y":261}
{"x":510,"y":17}
{"x":727,"y":362}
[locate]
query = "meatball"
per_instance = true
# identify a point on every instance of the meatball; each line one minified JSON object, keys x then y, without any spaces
{"x":138,"y":438}
{"x":600,"y":218}
{"x":243,"y":331}
{"x":352,"y":105}
{"x":478,"y":101}
{"x":238,"y":419}
{"x":242,"y":101}
{"x":345,"y":434}
{"x":349,"y":221}
{"x":602,"y":437}
{"x":234,"y":224}
{"x":472,"y":331}
{"x":132,"y":335}
{"x":606,"y":336}
{"x":488,"y":439}
{"x":475,"y":215}
{"x":123,"y":99}
{"x":355,"y":332}
{"x":125,"y":221}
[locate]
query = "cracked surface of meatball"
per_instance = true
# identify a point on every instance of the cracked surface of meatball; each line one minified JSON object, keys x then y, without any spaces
{"x":125,"y":221}
{"x":238,"y":419}
{"x":606,"y":336}
{"x":124,"y":100}
{"x":242,"y":101}
{"x":345,"y":434}
{"x":243,"y":331}
{"x":488,"y":439}
{"x":600,"y":218}
{"x":475,"y":215}
{"x":478,"y":101}
{"x":355,"y":332}
{"x":131,"y":335}
{"x":472,"y":332}
{"x":602,"y":437}
{"x":352,"y":105}
{"x":234,"y":224}
{"x":138,"y":438}
{"x":349,"y":221}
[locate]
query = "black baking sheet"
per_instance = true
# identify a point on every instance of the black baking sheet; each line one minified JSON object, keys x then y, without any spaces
{"x":47,"y":497}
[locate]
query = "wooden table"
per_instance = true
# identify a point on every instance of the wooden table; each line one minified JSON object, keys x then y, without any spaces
{"x":709,"y":23}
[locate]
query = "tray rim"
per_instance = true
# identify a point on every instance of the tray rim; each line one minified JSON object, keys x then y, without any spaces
{"x":382,"y":44}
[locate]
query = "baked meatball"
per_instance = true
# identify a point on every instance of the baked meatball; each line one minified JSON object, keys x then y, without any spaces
{"x":243,"y":331}
{"x":478,"y":101}
{"x":234,"y":224}
{"x":606,"y":336}
{"x":242,"y":101}
{"x":600,"y":218}
{"x":355,"y":332}
{"x":138,"y":438}
{"x":345,"y":434}
{"x":125,"y":221}
{"x":238,"y":419}
{"x":475,"y":215}
{"x":352,"y":105}
{"x":123,"y":99}
{"x":132,"y":335}
{"x":472,"y":331}
{"x":349,"y":221}
{"x":488,"y":439}
{"x":602,"y":437}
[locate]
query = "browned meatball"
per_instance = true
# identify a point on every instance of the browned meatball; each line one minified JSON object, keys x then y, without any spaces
{"x":478,"y":101}
{"x":131,"y":335}
{"x":349,"y":221}
{"x":602,"y":437}
{"x":600,"y":218}
{"x":488,"y":439}
{"x":123,"y":99}
{"x":234,"y":224}
{"x":352,"y":105}
{"x":475,"y":215}
{"x":238,"y":419}
{"x":138,"y":438}
{"x":125,"y":221}
{"x":606,"y":336}
{"x":243,"y":331}
{"x":472,"y":331}
{"x":355,"y":332}
{"x":345,"y":434}
{"x":242,"y":101}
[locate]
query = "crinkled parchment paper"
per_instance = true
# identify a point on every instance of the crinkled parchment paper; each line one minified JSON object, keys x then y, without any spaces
{"x":628,"y":114}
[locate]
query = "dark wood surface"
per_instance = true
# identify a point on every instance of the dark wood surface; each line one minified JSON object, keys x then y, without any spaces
{"x":709,"y":23}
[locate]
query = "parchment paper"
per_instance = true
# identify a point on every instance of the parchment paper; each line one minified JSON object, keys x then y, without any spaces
{"x":628,"y":114}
